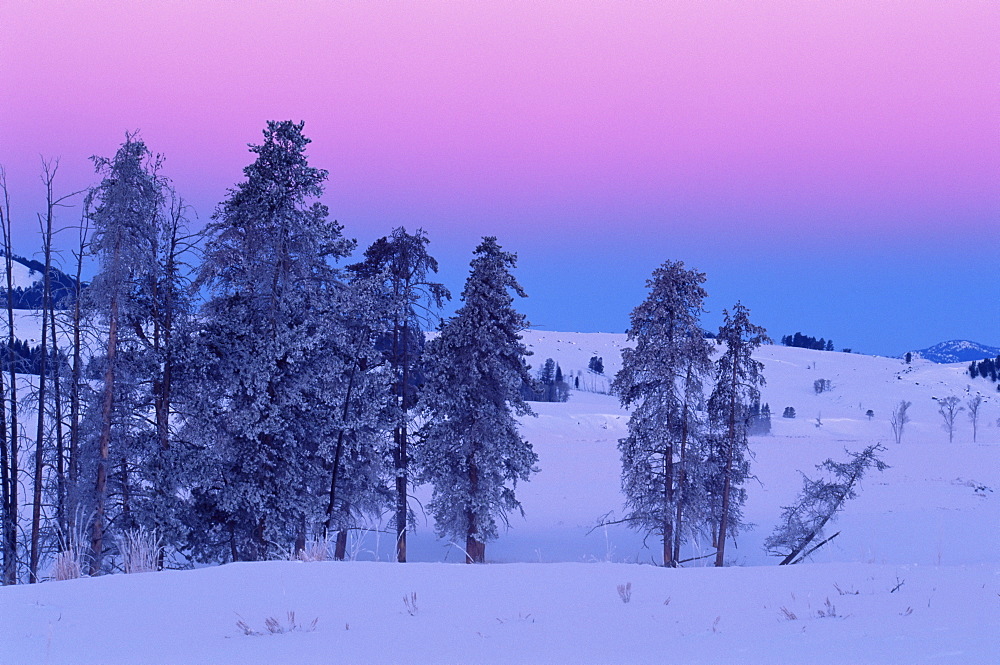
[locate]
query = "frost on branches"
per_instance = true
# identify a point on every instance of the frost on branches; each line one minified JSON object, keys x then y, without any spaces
{"x":661,"y":382}
{"x":472,"y":451}
{"x":801,"y":525}
{"x":263,"y":373}
{"x":738,"y":379}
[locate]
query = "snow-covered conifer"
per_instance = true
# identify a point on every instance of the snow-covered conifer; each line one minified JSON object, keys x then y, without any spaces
{"x":661,"y":382}
{"x":738,"y":379}
{"x":126,"y":211}
{"x":401,"y":265}
{"x":472,"y":451}
{"x":254,"y":380}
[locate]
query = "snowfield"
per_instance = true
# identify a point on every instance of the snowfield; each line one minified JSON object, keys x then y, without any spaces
{"x":913,"y":577}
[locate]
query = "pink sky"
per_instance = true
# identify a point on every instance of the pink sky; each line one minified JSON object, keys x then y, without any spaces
{"x":794,"y":120}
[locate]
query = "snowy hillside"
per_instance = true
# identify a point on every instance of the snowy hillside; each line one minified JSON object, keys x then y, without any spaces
{"x":913,"y":577}
{"x":23,"y":276}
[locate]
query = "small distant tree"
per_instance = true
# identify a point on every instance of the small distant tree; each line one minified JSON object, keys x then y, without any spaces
{"x":909,"y":357}
{"x":789,"y":412}
{"x":596,"y":365}
{"x":949,"y":409}
{"x":819,"y":502}
{"x":899,"y":418}
{"x":759,"y":420}
{"x":974,"y":404}
{"x":551,"y":385}
{"x":870,"y":414}
{"x":822,"y":386}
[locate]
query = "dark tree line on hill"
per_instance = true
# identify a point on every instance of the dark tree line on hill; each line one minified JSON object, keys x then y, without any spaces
{"x":986,"y":368}
{"x":27,"y":359}
{"x":238,"y":393}
{"x":806,"y":342}
{"x":549,"y":386}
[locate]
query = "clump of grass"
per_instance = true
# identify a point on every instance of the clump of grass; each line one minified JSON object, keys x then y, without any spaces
{"x":140,"y":550}
{"x":273,"y":626}
{"x":316,"y":549}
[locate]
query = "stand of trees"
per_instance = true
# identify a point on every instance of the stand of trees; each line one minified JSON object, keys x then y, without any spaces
{"x":986,"y":368}
{"x":237,"y":393}
{"x":685,"y":460}
{"x":806,"y":342}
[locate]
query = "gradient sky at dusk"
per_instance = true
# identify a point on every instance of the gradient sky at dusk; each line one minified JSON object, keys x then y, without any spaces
{"x":835,"y":165}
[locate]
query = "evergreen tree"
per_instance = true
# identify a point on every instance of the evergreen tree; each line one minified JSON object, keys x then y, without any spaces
{"x":126,"y":213}
{"x":359,"y":458}
{"x":472,"y":451}
{"x":401,"y":264}
{"x":255,"y":383}
{"x":661,"y":382}
{"x":738,"y":380}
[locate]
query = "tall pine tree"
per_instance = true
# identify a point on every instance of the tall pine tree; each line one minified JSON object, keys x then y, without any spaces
{"x":401,"y":265}
{"x":738,"y":379}
{"x":661,"y":381}
{"x":126,"y":211}
{"x":472,"y":451}
{"x":255,"y":373}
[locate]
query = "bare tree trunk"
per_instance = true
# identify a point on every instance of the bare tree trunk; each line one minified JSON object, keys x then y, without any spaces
{"x":402,"y":509}
{"x":57,"y":377}
{"x":5,"y":482}
{"x":337,"y":455}
{"x":10,"y":527}
{"x":728,"y":477}
{"x":475,"y":548}
{"x":38,"y":480}
{"x":668,"y":502}
{"x":104,"y":442}
{"x":681,"y":479}
{"x":75,"y":384}
{"x":340,"y":551}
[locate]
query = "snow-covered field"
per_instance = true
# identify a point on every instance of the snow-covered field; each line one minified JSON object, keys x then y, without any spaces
{"x":913,"y":577}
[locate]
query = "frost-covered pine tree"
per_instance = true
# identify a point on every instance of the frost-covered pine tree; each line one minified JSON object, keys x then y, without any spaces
{"x":661,"y":382}
{"x":126,"y":211}
{"x":472,"y":451}
{"x":400,"y":264}
{"x":255,"y":388}
{"x":738,"y":379}
{"x":358,"y":457}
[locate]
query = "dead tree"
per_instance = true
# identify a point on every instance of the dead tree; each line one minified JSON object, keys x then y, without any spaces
{"x":949,"y":409}
{"x":818,"y":503}
{"x":974,"y":405}
{"x":11,"y":441}
{"x":899,"y":418}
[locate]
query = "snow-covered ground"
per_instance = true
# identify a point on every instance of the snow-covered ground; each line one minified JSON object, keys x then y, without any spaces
{"x":913,"y":577}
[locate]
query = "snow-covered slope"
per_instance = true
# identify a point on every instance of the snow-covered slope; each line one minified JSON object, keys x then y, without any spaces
{"x":913,"y":577}
{"x":23,"y":276}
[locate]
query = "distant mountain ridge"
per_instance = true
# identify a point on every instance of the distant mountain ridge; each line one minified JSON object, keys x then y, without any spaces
{"x":28,"y":283}
{"x":957,"y":351}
